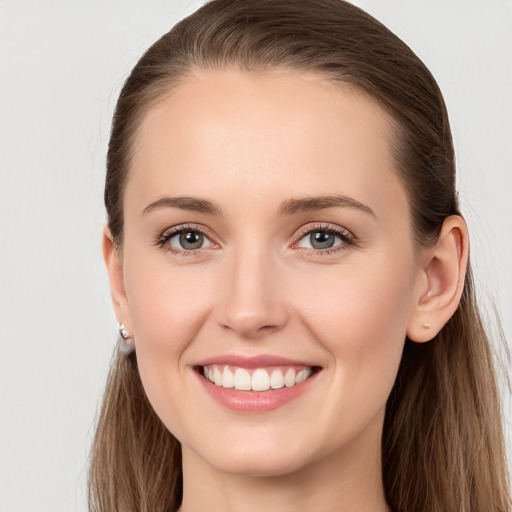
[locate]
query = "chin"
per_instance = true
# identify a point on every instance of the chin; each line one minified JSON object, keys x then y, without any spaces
{"x":264,"y":457}
{"x":260,"y":467}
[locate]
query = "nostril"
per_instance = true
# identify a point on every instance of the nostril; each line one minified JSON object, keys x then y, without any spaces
{"x":251,"y":329}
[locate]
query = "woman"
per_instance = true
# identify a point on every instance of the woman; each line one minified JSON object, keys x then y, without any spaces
{"x":289,"y":267}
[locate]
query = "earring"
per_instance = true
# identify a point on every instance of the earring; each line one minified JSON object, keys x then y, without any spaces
{"x":426,"y":326}
{"x":125,"y":343}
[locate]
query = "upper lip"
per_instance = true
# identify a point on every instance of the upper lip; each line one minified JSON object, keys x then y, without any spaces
{"x":259,"y":361}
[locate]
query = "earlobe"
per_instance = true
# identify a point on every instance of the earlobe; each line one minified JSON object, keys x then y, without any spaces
{"x":443,"y":272}
{"x":115,"y":275}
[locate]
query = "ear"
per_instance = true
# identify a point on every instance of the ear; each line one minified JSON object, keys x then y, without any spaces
{"x":115,"y":275}
{"x":441,"y":281}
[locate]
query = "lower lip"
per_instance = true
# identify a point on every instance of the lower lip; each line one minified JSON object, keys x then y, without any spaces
{"x":255,"y":401}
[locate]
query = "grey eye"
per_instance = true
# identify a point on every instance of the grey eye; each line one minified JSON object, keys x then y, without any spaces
{"x":322,"y":240}
{"x":189,"y":240}
{"x":319,"y":239}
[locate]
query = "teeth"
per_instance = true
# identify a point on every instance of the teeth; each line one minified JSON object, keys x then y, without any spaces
{"x":277,"y":379}
{"x":260,"y":380}
{"x":228,"y":378}
{"x":217,"y":377}
{"x":302,"y":375}
{"x":242,"y":379}
{"x":289,"y":378}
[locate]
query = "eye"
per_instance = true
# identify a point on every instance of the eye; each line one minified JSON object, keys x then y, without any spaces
{"x":322,"y":240}
{"x":189,"y":240}
{"x":184,"y":240}
{"x":325,"y":238}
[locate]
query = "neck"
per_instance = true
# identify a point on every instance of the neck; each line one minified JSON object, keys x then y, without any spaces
{"x":347,"y":480}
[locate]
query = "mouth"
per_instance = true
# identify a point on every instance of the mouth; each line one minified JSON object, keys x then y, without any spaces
{"x":255,"y":384}
{"x":256,"y":379}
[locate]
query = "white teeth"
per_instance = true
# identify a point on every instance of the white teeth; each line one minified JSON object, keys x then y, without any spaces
{"x":217,"y":377}
{"x":242,"y":380}
{"x":289,"y":378}
{"x":277,"y":379}
{"x":302,"y":375}
{"x":260,"y":380}
{"x":228,"y":379}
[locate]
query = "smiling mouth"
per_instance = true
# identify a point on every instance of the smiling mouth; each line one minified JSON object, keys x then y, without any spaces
{"x":256,"y":379}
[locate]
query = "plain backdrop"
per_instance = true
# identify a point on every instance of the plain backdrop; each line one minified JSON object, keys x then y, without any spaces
{"x":61,"y":67}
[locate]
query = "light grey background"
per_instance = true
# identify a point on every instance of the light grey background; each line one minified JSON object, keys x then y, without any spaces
{"x":61,"y":67}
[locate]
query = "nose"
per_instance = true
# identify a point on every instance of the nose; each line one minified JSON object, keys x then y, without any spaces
{"x":252,"y":296}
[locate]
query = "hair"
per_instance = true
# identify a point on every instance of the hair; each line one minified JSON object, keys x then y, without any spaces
{"x":443,"y":446}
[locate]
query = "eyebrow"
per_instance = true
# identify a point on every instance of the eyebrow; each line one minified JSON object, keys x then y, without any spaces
{"x":293,"y":206}
{"x":288,"y":207}
{"x":184,"y":203}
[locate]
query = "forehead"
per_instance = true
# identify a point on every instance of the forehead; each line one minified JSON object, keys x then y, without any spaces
{"x":272,"y":133}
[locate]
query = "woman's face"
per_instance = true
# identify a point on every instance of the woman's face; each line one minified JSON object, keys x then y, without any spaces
{"x":267,"y":238}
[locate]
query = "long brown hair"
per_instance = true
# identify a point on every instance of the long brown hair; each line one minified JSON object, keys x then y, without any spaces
{"x":443,"y":447}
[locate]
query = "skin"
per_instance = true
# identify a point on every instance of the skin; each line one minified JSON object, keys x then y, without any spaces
{"x":249,"y":144}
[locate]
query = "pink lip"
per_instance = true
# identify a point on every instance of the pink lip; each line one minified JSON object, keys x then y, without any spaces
{"x":252,"y":361}
{"x":255,"y":401}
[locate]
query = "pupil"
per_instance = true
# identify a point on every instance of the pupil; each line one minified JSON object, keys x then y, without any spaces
{"x":191,"y":240}
{"x":321,"y":240}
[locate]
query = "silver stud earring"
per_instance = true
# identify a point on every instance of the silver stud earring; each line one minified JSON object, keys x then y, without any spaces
{"x":126,"y":343}
{"x":426,"y":326}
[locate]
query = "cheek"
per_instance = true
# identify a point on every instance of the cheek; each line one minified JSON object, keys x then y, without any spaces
{"x":167,"y":307}
{"x":374,"y":295}
{"x":360,"y":317}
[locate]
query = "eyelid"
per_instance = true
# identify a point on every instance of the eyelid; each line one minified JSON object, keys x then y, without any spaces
{"x":184,"y":227}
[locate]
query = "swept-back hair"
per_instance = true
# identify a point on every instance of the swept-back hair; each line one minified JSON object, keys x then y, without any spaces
{"x":443,"y":447}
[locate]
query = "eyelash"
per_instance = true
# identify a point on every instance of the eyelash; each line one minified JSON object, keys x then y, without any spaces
{"x":347,"y":239}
